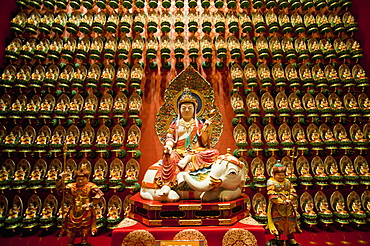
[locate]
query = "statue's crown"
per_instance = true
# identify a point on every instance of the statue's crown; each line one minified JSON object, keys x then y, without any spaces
{"x":278,"y":168}
{"x":187,"y":97}
{"x":82,"y":173}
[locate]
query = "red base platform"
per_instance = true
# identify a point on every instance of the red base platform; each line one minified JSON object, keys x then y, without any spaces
{"x":242,"y":233}
{"x":188,"y":212}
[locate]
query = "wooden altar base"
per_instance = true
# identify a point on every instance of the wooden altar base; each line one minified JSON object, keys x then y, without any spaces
{"x":188,"y":212}
{"x":241,"y":233}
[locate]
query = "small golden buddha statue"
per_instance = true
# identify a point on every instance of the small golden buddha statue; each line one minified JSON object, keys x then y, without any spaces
{"x":340,"y":208}
{"x":337,"y":104}
{"x":36,"y":173}
{"x":117,"y":138}
{"x":45,"y":105}
{"x":305,"y":171}
{"x":25,"y":138}
{"x":113,"y":212}
{"x":70,"y":138}
{"x":118,"y":104}
{"x":132,"y":138}
{"x":20,"y":174}
{"x":256,"y":136}
{"x":360,"y":75}
{"x":269,"y":104}
{"x":31,"y":211}
{"x":285,"y":136}
{"x":10,"y":139}
{"x":332,"y":73}
{"x":104,"y":105}
{"x":241,"y":137}
{"x":4,"y":174}
{"x":320,"y":170}
{"x":47,"y":211}
{"x":85,"y":138}
{"x":14,"y":212}
{"x":300,"y":136}
{"x":101,"y":139}
{"x":17,"y":106}
{"x":115,"y":173}
{"x":296,"y":104}
{"x":308,"y":209}
{"x":131,"y":173}
{"x":41,"y":139}
{"x":352,"y":104}
{"x":342,"y":136}
{"x":271,"y":136}
{"x":334,"y":171}
{"x":3,"y":105}
{"x":349,"y":170}
{"x":74,"y":105}
{"x":359,"y":136}
{"x":364,"y":169}
{"x":99,"y":173}
{"x":283,"y":104}
{"x":89,"y":105}
{"x":329,"y":136}
{"x":324,"y":207}
{"x":31,"y":106}
{"x":56,"y":139}
{"x":310,"y":104}
{"x":315,"y":136}
{"x":253,"y":103}
{"x":324,"y":104}
{"x":366,"y":103}
{"x":61,"y":106}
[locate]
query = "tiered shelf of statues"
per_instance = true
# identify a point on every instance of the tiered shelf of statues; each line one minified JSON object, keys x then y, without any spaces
{"x":61,"y":113}
{"x":300,"y":97}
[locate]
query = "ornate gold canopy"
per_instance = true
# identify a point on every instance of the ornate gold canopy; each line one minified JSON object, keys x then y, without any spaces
{"x":202,"y":91}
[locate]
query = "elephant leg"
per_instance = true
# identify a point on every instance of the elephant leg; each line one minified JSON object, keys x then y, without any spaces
{"x":168,"y":195}
{"x":228,"y":195}
{"x":173,"y":196}
{"x":146,"y":195}
{"x":164,"y":191}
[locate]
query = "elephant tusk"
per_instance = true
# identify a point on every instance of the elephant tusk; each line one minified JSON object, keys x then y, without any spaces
{"x":215,"y":183}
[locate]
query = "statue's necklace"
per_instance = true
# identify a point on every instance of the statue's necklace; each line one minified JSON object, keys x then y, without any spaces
{"x":188,"y":125}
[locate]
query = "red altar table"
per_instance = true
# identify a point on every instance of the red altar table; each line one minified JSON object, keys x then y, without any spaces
{"x":241,"y":233}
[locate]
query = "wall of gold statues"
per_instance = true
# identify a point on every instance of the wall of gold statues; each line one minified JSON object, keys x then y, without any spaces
{"x":85,"y":78}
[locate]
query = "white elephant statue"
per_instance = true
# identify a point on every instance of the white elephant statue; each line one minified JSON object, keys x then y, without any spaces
{"x":224,"y":182}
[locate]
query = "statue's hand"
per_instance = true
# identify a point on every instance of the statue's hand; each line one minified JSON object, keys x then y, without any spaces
{"x":206,"y":124}
{"x":167,"y":149}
